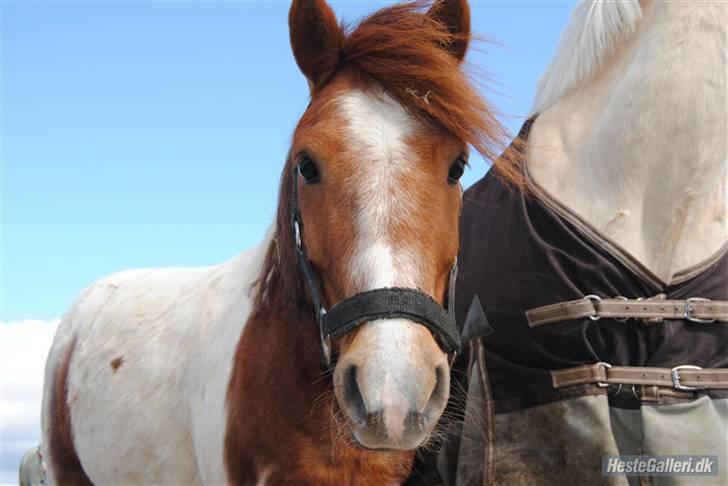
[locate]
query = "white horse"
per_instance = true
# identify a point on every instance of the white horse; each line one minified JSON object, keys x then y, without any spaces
{"x":606,"y":282}
{"x":633,"y":128}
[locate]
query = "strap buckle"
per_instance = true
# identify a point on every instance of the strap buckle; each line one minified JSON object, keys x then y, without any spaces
{"x":675,"y":374}
{"x":689,"y":311}
{"x":606,"y":366}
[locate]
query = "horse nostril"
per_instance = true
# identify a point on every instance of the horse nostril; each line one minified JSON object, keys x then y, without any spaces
{"x":440,"y":391}
{"x":352,"y":397}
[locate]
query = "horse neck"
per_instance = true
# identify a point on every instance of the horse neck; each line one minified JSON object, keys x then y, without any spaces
{"x":641,"y":150}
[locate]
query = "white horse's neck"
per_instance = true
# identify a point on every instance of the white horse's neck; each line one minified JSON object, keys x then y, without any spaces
{"x":635,"y":139}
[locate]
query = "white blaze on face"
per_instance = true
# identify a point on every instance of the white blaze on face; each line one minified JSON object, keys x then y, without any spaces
{"x":377,"y":130}
{"x":390,"y":361}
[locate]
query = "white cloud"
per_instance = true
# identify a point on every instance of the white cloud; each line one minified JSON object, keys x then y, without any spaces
{"x":24,"y":347}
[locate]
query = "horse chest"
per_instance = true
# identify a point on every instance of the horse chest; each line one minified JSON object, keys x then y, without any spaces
{"x":300,"y":462}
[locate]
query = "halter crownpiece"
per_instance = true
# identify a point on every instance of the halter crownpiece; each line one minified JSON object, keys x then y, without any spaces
{"x":383,"y":303}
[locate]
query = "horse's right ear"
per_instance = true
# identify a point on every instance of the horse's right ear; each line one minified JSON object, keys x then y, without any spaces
{"x":316,"y":39}
{"x":455,"y":16}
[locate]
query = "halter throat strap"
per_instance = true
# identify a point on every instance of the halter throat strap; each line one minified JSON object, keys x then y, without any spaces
{"x":382,"y":303}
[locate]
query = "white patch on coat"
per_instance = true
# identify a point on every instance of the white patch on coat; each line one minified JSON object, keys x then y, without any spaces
{"x":164,"y":409}
{"x":595,"y":29}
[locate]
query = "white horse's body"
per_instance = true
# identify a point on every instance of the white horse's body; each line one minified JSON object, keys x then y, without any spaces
{"x":166,"y":334}
{"x":632,"y":134}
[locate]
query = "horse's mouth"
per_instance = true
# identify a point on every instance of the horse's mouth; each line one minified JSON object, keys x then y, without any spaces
{"x":373,"y":436}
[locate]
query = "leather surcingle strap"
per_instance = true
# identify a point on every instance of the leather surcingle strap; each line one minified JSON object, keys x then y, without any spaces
{"x":383,"y":303}
{"x":650,"y":310}
{"x":682,"y":378}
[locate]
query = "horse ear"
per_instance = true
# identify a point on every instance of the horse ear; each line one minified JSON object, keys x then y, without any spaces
{"x":316,"y":39}
{"x":455,"y":16}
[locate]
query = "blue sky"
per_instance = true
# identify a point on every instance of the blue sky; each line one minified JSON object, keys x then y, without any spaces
{"x":139,"y":134}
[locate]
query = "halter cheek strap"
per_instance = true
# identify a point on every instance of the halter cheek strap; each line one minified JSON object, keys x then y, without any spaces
{"x":382,"y":303}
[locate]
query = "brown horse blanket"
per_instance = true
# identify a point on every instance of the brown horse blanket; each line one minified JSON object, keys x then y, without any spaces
{"x":521,"y":251}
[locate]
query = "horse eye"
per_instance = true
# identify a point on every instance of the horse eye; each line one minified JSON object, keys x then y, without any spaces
{"x":456,"y":170}
{"x":307,"y":170}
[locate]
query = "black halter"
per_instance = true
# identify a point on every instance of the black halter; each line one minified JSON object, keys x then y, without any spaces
{"x":383,"y":303}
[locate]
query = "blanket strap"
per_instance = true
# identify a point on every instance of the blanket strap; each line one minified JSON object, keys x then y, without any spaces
{"x":682,"y":378}
{"x":650,"y":310}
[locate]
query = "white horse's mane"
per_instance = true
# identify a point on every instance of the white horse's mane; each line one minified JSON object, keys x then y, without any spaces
{"x":594,"y":31}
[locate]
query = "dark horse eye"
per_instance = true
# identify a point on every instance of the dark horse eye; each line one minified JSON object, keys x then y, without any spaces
{"x":456,"y":170}
{"x":307,"y":170}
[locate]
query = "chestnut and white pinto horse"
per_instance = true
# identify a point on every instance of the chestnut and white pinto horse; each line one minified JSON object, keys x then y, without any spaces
{"x":214,"y":375}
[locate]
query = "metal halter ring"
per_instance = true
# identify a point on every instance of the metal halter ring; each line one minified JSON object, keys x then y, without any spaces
{"x":326,"y":346}
{"x":297,"y":230}
{"x":451,"y":359}
{"x":594,"y":299}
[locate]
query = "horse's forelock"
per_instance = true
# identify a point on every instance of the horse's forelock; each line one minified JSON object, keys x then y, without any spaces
{"x":404,"y":51}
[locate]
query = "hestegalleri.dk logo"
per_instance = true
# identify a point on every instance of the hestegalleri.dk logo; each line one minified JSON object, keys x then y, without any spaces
{"x":679,"y":465}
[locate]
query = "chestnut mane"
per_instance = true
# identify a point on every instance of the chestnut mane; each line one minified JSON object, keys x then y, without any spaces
{"x":401,"y":49}
{"x":404,"y":51}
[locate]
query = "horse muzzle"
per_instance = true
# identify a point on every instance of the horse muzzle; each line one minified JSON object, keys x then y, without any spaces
{"x":392,"y":394}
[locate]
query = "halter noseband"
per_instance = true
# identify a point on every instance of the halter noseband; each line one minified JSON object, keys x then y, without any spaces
{"x":382,"y":303}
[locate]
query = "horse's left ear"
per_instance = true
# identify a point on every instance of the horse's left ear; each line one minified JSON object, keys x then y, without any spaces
{"x":316,"y":39}
{"x":455,"y":15}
